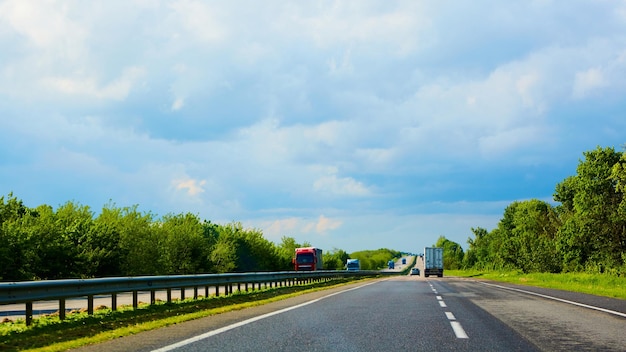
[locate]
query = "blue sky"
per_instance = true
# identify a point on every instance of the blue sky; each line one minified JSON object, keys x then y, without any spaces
{"x":348,"y":124}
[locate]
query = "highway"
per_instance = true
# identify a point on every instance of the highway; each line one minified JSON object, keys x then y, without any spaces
{"x":406,"y":313}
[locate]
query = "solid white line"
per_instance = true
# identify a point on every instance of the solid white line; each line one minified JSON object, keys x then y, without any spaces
{"x":442,"y":304}
{"x":458,"y":330}
{"x":558,"y":299}
{"x":450,"y":316}
{"x":248,"y":321}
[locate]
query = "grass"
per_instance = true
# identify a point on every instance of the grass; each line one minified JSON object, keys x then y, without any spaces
{"x":49,"y":333}
{"x":595,"y":284}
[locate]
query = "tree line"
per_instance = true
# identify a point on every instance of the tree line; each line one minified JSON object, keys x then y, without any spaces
{"x":72,"y":242}
{"x":584,"y":232}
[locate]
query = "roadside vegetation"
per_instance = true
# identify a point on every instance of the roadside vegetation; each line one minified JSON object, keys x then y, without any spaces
{"x":596,"y":284}
{"x":583,"y":233}
{"x":71,"y":241}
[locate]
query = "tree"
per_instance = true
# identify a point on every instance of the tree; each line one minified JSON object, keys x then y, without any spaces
{"x":593,"y":235}
{"x":242,"y":250}
{"x":140,"y":244}
{"x":335,"y":259}
{"x":14,"y":265}
{"x":185,"y":249}
{"x":452,"y":253}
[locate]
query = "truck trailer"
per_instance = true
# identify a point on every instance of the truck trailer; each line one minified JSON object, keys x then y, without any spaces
{"x":353,"y":265}
{"x":433,"y":261}
{"x":308,"y":259}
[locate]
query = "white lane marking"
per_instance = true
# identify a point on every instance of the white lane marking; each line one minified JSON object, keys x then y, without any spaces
{"x":439,"y":298}
{"x":458,"y":330}
{"x":442,"y":304}
{"x":558,"y":299}
{"x":248,"y":321}
{"x":450,"y":316}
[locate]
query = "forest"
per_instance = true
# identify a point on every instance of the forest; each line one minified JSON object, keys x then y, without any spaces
{"x":584,"y":230}
{"x":72,"y":242}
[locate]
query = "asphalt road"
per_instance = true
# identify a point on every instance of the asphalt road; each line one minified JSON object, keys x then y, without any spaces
{"x":402,"y":313}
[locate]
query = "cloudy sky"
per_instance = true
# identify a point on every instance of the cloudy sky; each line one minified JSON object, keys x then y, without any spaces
{"x":348,"y":124}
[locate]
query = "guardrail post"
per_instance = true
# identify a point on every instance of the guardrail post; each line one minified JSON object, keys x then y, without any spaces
{"x":182,"y":293}
{"x":217,"y":290}
{"x":90,"y":304}
{"x":195,"y":292}
{"x":206,"y":291}
{"x":29,"y":313}
{"x":135,"y":300}
{"x":246,"y":286}
{"x":62,"y":309}
{"x":152,"y":296}
{"x":169,"y":295}
{"x":114,"y":301}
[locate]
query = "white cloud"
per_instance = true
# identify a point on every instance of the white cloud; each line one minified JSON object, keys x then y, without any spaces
{"x":44,"y":24}
{"x":340,"y":186}
{"x":192,"y":187}
{"x":200,"y":20}
{"x":178,"y":104}
{"x":90,"y":87}
{"x":325,"y":224}
{"x":588,"y":81}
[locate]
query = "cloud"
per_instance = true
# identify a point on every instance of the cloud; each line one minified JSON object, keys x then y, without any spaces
{"x":588,"y":81}
{"x":325,"y":224}
{"x":192,"y":187}
{"x":199,"y":19}
{"x":178,"y":104}
{"x":43,"y":23}
{"x":343,"y":186}
{"x":118,"y":89}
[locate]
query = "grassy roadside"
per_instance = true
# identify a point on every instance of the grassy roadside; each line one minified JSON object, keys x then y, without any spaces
{"x":595,"y":284}
{"x":51,"y":334}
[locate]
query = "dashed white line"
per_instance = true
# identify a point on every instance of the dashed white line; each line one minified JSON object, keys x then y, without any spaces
{"x":456,"y":326}
{"x":458,"y":330}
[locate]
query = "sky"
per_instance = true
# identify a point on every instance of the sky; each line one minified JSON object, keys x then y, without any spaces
{"x":350,"y":125}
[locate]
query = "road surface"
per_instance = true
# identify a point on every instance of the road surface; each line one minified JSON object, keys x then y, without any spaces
{"x":406,"y":313}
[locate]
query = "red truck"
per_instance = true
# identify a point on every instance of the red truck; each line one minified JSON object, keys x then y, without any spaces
{"x":307,"y":259}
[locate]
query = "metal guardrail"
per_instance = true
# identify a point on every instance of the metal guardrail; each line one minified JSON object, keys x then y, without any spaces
{"x":28,"y":292}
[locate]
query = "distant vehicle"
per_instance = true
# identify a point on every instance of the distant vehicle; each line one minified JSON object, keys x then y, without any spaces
{"x":433,"y":261}
{"x":403,"y":261}
{"x":415,"y":271}
{"x":353,"y":265}
{"x":307,"y":259}
{"x":391,"y":264}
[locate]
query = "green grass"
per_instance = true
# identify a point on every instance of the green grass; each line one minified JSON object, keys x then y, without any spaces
{"x":49,"y":333}
{"x":595,"y":284}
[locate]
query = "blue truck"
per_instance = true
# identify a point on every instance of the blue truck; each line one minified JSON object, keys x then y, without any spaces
{"x":353,"y":265}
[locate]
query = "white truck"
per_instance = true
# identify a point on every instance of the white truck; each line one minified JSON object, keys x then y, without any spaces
{"x":353,"y":265}
{"x":433,"y":261}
